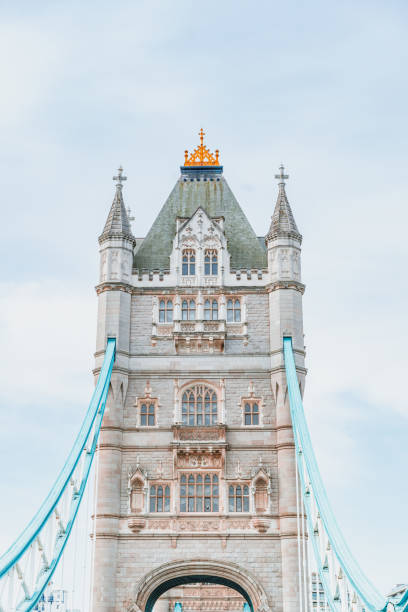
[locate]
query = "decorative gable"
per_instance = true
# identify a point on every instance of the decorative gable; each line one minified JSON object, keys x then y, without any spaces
{"x":198,"y":237}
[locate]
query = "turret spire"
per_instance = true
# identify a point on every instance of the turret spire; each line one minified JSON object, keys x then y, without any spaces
{"x":283,"y":222}
{"x":117,"y":223}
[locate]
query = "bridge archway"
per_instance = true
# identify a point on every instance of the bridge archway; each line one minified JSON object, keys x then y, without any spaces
{"x":177,"y":573}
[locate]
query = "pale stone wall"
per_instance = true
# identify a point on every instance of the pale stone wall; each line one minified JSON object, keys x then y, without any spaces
{"x":136,"y":558}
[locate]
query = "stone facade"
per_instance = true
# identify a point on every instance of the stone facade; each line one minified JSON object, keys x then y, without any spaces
{"x":196,"y":466}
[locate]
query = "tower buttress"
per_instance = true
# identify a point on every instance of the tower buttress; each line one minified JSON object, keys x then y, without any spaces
{"x":283,"y":243}
{"x":114,"y":306}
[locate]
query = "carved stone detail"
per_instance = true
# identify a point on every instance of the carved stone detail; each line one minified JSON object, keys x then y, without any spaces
{"x":261,"y":524}
{"x":203,"y":433}
{"x":136,"y":523}
{"x":199,"y":460}
{"x":159,"y":524}
{"x":199,"y":525}
{"x":238,"y":523}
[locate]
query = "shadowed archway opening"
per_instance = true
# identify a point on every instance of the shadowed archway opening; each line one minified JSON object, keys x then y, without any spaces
{"x":194,"y":579}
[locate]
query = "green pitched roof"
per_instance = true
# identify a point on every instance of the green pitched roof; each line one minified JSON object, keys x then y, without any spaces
{"x":217,"y":199}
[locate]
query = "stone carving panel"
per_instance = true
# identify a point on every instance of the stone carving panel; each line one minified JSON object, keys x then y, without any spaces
{"x":193,"y":461}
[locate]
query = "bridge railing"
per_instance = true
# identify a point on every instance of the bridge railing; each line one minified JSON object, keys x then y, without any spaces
{"x":28,"y":565}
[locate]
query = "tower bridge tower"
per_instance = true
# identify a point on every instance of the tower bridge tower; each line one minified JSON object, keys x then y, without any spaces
{"x":196,"y":474}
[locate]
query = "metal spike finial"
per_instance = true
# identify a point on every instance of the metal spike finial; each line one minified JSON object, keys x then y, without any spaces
{"x":282,"y":176}
{"x":120,"y":178}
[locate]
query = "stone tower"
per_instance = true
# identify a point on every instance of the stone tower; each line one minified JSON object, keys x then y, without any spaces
{"x":196,"y":470}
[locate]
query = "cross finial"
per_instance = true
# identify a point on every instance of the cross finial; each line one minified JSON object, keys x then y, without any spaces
{"x":129,"y":214}
{"x":120,"y":178}
{"x":201,"y":133}
{"x":282,"y":176}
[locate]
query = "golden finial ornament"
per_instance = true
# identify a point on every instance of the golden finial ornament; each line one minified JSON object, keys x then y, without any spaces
{"x":201,"y":156}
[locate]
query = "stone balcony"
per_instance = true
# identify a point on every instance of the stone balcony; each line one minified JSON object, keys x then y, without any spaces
{"x":199,"y":447}
{"x":193,"y":435}
{"x":199,"y":335}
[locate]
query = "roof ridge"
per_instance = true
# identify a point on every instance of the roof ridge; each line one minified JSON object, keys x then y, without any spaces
{"x":217,"y":200}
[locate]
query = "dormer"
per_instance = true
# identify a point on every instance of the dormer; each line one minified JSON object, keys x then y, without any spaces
{"x":199,"y":256}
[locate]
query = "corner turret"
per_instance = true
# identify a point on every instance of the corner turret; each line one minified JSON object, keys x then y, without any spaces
{"x":116,"y":259}
{"x":117,"y":241}
{"x":283,"y":240}
{"x":283,"y":243}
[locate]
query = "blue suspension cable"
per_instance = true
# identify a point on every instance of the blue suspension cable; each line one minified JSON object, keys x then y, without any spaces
{"x":363,"y":587}
{"x":93,"y":419}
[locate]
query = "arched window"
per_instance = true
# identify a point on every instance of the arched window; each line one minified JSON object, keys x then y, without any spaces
{"x":210,"y":262}
{"x":188,"y":310}
{"x":165,"y":311}
{"x":160,"y":498}
{"x":211,"y":310}
{"x":251,"y":413}
{"x":234,"y":310}
{"x":147,"y":414}
{"x":188,"y":263}
{"x":199,"y":493}
{"x":238,"y":498}
{"x":199,"y":406}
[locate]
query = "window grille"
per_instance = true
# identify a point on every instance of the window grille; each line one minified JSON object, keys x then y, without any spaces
{"x":166,"y":311}
{"x":160,"y":498}
{"x":211,"y":310}
{"x":188,"y":310}
{"x":199,"y":493}
{"x":188,"y":262}
{"x":210,"y":262}
{"x":233,"y":310}
{"x":199,"y":406}
{"x":238,"y":498}
{"x":147,"y":414}
{"x":251,"y":413}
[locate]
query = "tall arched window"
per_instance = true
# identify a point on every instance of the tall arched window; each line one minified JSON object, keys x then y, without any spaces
{"x":211,"y":310}
{"x":147,"y":414}
{"x":210,"y":262}
{"x":160,"y":498}
{"x":199,"y":406}
{"x":199,"y":493}
{"x":188,"y":310}
{"x":251,"y":413}
{"x":234,"y":310}
{"x":188,"y":262}
{"x":165,"y":311}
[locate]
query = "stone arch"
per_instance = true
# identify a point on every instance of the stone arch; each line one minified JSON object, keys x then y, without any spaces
{"x":175,"y":573}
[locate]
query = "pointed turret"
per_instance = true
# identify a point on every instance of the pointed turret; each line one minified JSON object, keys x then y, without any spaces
{"x":117,"y":224}
{"x":283,"y":243}
{"x":283,"y":222}
{"x":116,"y":245}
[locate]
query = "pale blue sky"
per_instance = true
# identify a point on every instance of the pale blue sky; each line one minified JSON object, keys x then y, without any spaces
{"x":319,"y":85}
